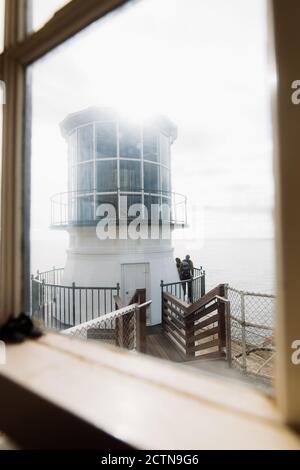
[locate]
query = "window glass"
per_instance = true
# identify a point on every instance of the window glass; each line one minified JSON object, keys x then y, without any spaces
{"x":107,"y":199}
{"x":133,"y":199}
{"x":85,"y":143}
{"x":165,"y":179}
{"x":130,"y":175}
{"x":152,"y":200}
{"x":73,"y":148}
{"x":130,"y":141}
{"x":85,"y":177}
{"x":151,"y":177}
{"x":106,"y":140}
{"x":165,"y":150}
{"x":73,"y":181}
{"x":85,"y":209}
{"x":221,"y":154}
{"x":151,"y":145}
{"x":107,"y":179}
{"x":41,"y":11}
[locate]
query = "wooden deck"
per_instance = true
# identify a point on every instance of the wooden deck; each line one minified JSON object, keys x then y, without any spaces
{"x":159,"y":345}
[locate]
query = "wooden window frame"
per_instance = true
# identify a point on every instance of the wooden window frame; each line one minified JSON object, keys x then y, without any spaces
{"x":20,"y":50}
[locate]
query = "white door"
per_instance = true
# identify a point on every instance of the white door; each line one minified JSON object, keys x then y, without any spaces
{"x":134,"y":276}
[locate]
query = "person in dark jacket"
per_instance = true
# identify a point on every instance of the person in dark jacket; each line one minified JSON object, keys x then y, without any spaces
{"x":178,"y":265}
{"x":187,"y":275}
{"x":191,"y":264}
{"x":180,"y":273}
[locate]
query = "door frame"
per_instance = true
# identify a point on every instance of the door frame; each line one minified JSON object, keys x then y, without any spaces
{"x":148,"y":288}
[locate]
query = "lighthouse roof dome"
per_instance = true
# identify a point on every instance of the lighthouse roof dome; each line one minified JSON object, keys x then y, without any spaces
{"x":92,"y":114}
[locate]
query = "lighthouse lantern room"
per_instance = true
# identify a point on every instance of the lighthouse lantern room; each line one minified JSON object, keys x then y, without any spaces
{"x":119,"y":174}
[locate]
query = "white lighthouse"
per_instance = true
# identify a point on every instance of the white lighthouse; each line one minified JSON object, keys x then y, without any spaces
{"x":114,"y":161}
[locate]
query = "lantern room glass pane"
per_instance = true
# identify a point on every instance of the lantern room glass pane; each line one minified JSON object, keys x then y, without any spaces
{"x":152,"y":201}
{"x":165,"y":179}
{"x":151,"y":145}
{"x":131,"y":199}
{"x":85,"y":143}
{"x":72,"y":183}
{"x":107,"y":199}
{"x":130,"y":175}
{"x":107,"y":176}
{"x":85,"y":209}
{"x":151,"y":177}
{"x":73,"y":148}
{"x":85,"y":177}
{"x":106,"y":140}
{"x":130,"y":141}
{"x":165,"y":150}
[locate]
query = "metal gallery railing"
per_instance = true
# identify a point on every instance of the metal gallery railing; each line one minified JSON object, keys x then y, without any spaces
{"x":82,"y":207}
{"x":61,"y":306}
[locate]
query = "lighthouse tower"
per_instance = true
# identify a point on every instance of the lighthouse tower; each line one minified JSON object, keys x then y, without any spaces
{"x":118,"y":164}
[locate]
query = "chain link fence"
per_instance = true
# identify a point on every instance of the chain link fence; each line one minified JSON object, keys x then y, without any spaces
{"x":252,"y":317}
{"x":118,"y":328}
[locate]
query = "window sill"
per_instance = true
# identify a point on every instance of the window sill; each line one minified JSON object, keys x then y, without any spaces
{"x":58,"y":392}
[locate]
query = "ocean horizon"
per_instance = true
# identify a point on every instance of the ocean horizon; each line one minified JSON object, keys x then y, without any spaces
{"x":245,"y":264}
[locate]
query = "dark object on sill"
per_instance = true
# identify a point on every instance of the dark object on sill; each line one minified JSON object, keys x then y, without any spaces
{"x":16,"y":330}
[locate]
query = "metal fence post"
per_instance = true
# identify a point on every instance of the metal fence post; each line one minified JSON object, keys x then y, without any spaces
{"x":43,"y":301}
{"x":140,"y":322}
{"x":73,"y":302}
{"x":162,"y":300}
{"x":228,"y":327}
{"x":32,"y":294}
{"x":243,"y":318}
{"x":203,"y":284}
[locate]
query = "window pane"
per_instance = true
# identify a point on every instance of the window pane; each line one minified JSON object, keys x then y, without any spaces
{"x":130,"y":141}
{"x":130,"y":175}
{"x":107,"y":179}
{"x":106,"y":140}
{"x":107,"y":199}
{"x":165,"y":150}
{"x":131,"y":200}
{"x":151,"y":177}
{"x":149,"y":201}
{"x":151,"y":145}
{"x":221,"y":157}
{"x":85,"y":143}
{"x":73,"y":148}
{"x":85,"y":177}
{"x":85,"y":209}
{"x":41,"y":12}
{"x":165,"y":179}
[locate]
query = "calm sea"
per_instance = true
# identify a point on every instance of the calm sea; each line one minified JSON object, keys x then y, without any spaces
{"x":244,"y":264}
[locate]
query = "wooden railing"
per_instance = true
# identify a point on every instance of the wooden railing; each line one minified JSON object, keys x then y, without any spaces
{"x":197,"y":330}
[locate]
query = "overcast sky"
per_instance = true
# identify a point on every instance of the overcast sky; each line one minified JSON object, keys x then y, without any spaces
{"x":203,"y":63}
